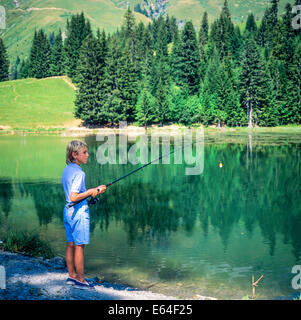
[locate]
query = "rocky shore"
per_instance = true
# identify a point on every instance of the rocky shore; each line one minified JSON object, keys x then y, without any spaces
{"x":30,"y":278}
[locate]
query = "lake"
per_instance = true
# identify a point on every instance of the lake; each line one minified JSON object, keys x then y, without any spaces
{"x":163,"y":230}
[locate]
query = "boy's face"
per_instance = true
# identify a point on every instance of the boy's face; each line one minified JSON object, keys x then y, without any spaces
{"x":81,"y":156}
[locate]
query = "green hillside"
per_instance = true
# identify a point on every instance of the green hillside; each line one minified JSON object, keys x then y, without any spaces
{"x":193,"y":9}
{"x":51,"y":15}
{"x":32,"y":103}
{"x":24,"y":16}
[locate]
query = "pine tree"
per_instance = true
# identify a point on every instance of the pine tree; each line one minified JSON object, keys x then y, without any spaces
{"x":145,"y":108}
{"x":251,"y":26}
{"x":231,"y":112}
{"x":176,"y":61}
{"x":226,"y":31}
{"x":56,"y":64}
{"x":286,"y":86}
{"x":169,"y":34}
{"x":76,"y":31}
{"x":51,"y":39}
{"x":252,"y":83}
{"x":128,"y":83}
{"x":154,"y":29}
{"x":130,"y":39}
{"x":113,"y":101}
{"x":268,"y":24}
{"x":24,"y":69}
{"x":15,"y":69}
{"x":274,"y":12}
{"x":173,"y":27}
{"x":204,"y":30}
{"x":140,"y":30}
{"x":214,"y":32}
{"x":162,"y":101}
{"x":178,"y":99}
{"x":40,"y":54}
{"x":103,"y":45}
{"x":147,"y":55}
{"x":282,"y":46}
{"x":279,"y":64}
{"x":186,"y":60}
{"x":162,"y":42}
{"x":159,"y":80}
{"x":190,"y":111}
{"x":203,"y":64}
{"x":190,"y":59}
{"x":128,"y":25}
{"x":236,"y":45}
{"x":222,"y":32}
{"x":270,"y":114}
{"x":226,"y":11}
{"x":263,"y":29}
{"x":89,"y":100}
{"x":209,"y":89}
{"x":4,"y":63}
{"x":287,"y":20}
{"x":294,"y":95}
{"x":159,"y":85}
{"x":121,"y":83}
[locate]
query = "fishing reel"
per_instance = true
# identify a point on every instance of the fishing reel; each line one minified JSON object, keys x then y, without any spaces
{"x":92,"y":201}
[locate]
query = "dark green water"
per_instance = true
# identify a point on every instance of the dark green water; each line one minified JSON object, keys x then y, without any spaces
{"x":160,"y":229}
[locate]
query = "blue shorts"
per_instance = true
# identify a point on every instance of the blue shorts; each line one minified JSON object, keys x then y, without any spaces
{"x":77,"y":223}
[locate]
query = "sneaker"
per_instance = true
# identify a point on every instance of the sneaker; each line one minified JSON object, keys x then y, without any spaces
{"x":83,"y":285}
{"x":70,"y":281}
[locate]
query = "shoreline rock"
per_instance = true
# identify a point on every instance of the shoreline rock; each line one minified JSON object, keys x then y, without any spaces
{"x":31,"y":278}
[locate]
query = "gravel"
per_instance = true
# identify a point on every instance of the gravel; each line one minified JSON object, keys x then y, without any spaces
{"x":30,"y":278}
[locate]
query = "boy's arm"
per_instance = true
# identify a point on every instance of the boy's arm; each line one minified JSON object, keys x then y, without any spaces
{"x":75,"y":197}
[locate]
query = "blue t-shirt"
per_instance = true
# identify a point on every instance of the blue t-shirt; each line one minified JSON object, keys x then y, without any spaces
{"x":73,"y":180}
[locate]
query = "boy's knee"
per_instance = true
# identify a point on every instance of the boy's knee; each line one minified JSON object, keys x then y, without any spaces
{"x":70,"y":244}
{"x":79,"y":246}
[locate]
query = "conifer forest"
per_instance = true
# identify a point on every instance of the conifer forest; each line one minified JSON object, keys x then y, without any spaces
{"x":213,"y":74}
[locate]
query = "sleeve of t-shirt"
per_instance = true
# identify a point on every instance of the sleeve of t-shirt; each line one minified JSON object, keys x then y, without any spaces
{"x":78,"y":182}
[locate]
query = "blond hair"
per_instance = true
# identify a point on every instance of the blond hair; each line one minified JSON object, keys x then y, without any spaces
{"x":73,"y":146}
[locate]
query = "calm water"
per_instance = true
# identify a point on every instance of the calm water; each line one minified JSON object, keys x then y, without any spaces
{"x":163,"y":230}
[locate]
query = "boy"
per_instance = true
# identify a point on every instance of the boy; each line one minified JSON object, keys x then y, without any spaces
{"x":76,"y":217}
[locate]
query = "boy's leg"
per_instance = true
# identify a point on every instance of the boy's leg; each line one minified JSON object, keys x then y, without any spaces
{"x":79,"y":261}
{"x":70,"y":259}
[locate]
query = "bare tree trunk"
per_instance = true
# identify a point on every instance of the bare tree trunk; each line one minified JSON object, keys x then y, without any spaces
{"x":250,"y":116}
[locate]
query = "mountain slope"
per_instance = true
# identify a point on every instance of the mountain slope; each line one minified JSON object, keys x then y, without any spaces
{"x":25,"y":16}
{"x":194,"y":9}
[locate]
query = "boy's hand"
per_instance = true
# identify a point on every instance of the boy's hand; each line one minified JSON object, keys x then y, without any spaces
{"x":101,"y":189}
{"x":94,"y":192}
{"x":98,"y":190}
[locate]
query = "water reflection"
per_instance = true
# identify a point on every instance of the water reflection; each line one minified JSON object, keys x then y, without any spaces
{"x":257,"y":186}
{"x":6,"y":194}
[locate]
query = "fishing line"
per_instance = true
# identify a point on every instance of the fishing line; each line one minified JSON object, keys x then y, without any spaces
{"x":95,"y":199}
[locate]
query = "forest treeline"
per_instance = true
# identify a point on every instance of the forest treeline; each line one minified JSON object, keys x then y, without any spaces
{"x":158,"y":73}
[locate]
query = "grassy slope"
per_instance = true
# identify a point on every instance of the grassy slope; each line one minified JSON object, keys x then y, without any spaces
{"x":106,"y":14}
{"x":22,"y":22}
{"x":194,"y":9}
{"x":32,"y":103}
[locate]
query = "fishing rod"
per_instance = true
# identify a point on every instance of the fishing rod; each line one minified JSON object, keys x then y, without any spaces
{"x":95,"y":199}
